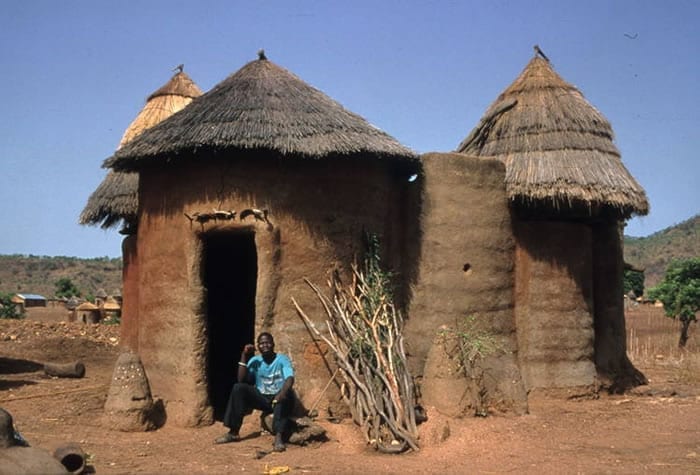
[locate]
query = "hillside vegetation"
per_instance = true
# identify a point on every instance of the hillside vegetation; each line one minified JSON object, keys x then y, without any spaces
{"x":38,"y":274}
{"x":655,"y":252}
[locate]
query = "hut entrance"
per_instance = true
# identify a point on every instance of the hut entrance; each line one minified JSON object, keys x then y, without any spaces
{"x":229,"y":274}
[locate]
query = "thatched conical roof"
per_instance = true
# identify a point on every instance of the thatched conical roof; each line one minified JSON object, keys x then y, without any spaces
{"x":115,"y":199}
{"x":261,"y":107}
{"x":558,"y":149}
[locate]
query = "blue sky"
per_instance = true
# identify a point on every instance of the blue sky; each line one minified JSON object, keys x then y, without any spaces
{"x":76,"y":73}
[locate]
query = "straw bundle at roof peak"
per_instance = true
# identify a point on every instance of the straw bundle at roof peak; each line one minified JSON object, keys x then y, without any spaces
{"x":179,"y":85}
{"x":261,"y":107}
{"x":558,"y":149}
{"x":172,"y":97}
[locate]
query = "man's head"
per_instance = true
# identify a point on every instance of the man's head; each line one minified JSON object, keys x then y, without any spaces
{"x":266,"y":344}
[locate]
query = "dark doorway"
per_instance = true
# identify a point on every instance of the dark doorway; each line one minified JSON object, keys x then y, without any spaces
{"x":229,"y":274}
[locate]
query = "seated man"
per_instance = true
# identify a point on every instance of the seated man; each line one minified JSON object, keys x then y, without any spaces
{"x":265,"y":383}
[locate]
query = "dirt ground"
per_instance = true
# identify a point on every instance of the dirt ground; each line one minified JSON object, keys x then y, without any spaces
{"x":653,"y":429}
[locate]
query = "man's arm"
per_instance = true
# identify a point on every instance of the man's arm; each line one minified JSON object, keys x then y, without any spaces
{"x":288,"y":383}
{"x":248,"y":352}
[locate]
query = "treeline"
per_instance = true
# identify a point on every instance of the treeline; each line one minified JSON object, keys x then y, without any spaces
{"x":40,"y":274}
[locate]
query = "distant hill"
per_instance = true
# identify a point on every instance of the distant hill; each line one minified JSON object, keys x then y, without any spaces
{"x":655,"y":252}
{"x":38,"y":274}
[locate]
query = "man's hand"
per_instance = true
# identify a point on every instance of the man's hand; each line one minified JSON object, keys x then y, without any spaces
{"x":248,"y":351}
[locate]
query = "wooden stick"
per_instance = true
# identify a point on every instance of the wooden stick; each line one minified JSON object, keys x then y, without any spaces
{"x":53,"y":393}
{"x":323,"y":391}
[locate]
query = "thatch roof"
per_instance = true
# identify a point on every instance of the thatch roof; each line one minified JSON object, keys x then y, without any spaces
{"x":87,"y":306}
{"x":116,"y":198}
{"x":261,"y":107}
{"x":558,"y":149}
{"x":111,"y":304}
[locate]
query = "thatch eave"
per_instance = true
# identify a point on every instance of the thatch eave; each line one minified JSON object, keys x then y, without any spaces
{"x":565,"y":197}
{"x":113,"y":201}
{"x":198,"y":154}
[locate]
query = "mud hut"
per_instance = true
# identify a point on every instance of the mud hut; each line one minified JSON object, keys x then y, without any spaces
{"x":569,"y":194}
{"x":318,"y":176}
{"x":87,"y":312}
{"x":110,"y":309}
{"x":115,"y":200}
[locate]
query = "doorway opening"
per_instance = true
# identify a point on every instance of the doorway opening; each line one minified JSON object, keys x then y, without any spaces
{"x":229,"y":275}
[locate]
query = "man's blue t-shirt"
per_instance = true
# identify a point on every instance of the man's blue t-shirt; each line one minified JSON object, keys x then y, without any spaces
{"x":269,"y":378}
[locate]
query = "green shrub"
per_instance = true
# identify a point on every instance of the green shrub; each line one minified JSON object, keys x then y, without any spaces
{"x":7,"y":308}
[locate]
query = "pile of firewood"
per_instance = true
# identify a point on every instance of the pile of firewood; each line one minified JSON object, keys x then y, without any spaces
{"x":365,"y":335}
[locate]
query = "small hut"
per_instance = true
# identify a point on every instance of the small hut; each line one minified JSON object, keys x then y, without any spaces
{"x":110,"y":309}
{"x":212,"y":278}
{"x":86,"y":312}
{"x":116,"y":199}
{"x":569,"y":193}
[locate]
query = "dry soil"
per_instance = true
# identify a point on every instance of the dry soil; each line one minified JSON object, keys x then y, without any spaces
{"x":653,"y":429}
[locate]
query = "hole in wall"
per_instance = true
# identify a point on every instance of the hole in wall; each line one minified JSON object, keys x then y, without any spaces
{"x":467,"y":268}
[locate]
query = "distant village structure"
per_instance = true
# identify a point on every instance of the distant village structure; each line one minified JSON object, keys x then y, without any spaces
{"x":24,"y":301}
{"x":105,"y":308}
{"x":86,"y":312}
{"x":264,"y":181}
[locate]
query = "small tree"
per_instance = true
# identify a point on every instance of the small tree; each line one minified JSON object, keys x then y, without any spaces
{"x":66,"y":288}
{"x":634,"y":281}
{"x":679,"y":291}
{"x":7,"y":308}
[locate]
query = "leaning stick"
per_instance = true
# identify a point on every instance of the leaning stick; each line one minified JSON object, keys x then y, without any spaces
{"x":328,"y":384}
